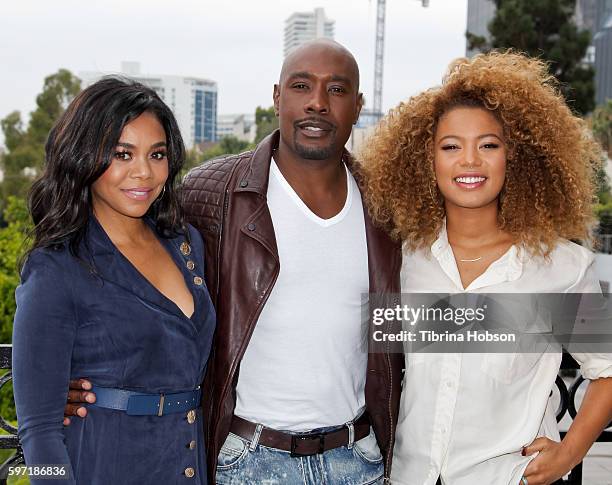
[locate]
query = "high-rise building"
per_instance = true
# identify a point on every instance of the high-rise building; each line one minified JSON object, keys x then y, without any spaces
{"x":480,"y":13}
{"x":593,"y":15}
{"x":192,"y":100}
{"x":586,"y":15}
{"x":603,"y":62}
{"x":301,"y":27}
{"x":604,"y":12}
{"x":589,"y":14}
{"x":598,"y":20}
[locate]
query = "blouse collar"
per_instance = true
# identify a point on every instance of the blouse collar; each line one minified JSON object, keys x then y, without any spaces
{"x":509,"y":267}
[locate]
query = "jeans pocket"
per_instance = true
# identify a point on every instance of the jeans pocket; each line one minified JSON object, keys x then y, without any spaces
{"x":232,"y":452}
{"x":367,"y":449}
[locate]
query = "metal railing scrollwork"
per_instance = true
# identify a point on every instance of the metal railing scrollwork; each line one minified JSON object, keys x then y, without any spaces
{"x":568,"y":405}
{"x":8,"y":441}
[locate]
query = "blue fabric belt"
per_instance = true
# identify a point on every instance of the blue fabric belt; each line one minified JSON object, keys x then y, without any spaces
{"x":139,"y":404}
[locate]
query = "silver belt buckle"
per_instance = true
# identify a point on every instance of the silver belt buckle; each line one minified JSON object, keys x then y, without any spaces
{"x":160,"y":410}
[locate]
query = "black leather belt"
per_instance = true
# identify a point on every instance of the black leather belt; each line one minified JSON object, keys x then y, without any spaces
{"x":301,"y":444}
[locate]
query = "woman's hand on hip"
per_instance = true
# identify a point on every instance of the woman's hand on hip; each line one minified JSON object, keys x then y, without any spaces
{"x":553,"y":462}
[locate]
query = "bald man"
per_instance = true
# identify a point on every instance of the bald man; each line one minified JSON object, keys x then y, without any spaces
{"x":292,"y":395}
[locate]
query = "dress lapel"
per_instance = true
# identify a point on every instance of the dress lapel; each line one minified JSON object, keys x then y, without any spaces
{"x":114,"y":268}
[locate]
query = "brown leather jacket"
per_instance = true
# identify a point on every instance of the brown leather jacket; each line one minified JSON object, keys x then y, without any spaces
{"x":225,"y":199}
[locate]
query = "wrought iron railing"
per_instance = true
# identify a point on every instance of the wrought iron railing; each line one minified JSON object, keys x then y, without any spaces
{"x":9,"y":441}
{"x":604,"y":243}
{"x":567,"y":405}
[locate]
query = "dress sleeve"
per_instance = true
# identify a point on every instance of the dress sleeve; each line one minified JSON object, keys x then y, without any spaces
{"x":593,"y":365}
{"x":44,"y":331}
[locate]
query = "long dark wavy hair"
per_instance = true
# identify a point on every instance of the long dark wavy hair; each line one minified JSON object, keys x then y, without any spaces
{"x":80,"y":148}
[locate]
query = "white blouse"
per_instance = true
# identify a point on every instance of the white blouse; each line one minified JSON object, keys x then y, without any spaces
{"x":466,"y":417}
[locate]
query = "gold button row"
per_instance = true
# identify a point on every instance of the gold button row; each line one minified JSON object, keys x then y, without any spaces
{"x":189,"y":472}
{"x":191,"y":417}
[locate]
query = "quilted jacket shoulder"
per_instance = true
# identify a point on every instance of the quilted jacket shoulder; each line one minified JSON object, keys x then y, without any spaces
{"x":204,"y":188}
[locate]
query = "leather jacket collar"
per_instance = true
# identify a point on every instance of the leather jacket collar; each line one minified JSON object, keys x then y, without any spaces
{"x":256,"y":177}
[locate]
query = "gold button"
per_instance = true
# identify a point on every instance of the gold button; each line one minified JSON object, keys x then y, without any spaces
{"x":190,"y":265}
{"x":192,"y":445}
{"x":185,"y":249}
{"x":198,"y":281}
{"x":191,"y":417}
{"x":189,"y":472}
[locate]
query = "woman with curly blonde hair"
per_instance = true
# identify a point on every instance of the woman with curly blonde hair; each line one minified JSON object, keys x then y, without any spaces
{"x":486,"y":179}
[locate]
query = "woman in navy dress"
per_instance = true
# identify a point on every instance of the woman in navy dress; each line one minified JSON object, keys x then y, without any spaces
{"x":112,"y":289}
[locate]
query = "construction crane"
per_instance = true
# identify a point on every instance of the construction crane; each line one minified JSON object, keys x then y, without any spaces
{"x":380,"y":53}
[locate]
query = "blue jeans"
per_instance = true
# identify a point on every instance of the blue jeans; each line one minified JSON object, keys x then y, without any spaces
{"x":239,"y":465}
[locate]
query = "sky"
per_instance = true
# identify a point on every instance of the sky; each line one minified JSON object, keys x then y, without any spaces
{"x":237,"y":43}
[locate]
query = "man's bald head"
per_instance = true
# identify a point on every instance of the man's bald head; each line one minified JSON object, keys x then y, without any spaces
{"x":320,"y":47}
{"x":317,"y":100}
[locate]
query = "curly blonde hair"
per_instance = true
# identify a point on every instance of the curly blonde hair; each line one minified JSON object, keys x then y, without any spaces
{"x":549,"y":185}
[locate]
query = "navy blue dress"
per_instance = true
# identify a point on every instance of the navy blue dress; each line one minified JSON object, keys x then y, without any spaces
{"x":118,"y":330}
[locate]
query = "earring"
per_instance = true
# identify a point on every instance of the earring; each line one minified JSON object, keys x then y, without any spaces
{"x":162,"y":193}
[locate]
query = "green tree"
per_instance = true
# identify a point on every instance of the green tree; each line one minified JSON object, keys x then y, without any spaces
{"x":58,"y":91}
{"x":602,"y":126}
{"x":25,"y":147}
{"x":601,"y":123}
{"x":13,"y":241}
{"x":228,"y":145}
{"x":193,"y":158}
{"x":266,"y":121}
{"x":21,"y":154}
{"x":231,"y":144}
{"x":546,"y":29}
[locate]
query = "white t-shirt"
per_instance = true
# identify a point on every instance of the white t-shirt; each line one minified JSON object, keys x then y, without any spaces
{"x":305,"y":365}
{"x":466,"y":417}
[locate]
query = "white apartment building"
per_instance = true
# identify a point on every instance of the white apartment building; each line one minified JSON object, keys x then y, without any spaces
{"x":192,"y":100}
{"x":242,"y":126}
{"x":301,"y":27}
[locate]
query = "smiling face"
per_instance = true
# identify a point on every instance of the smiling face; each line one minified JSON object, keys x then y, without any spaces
{"x":137,"y":173}
{"x":317,"y":100}
{"x":469,"y":157}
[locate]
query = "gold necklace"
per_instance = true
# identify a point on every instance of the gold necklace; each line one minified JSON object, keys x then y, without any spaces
{"x":475,"y":259}
{"x":471,"y":260}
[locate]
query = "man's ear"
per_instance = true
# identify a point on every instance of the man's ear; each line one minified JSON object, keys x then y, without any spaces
{"x":358,"y":107}
{"x":276,"y":98}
